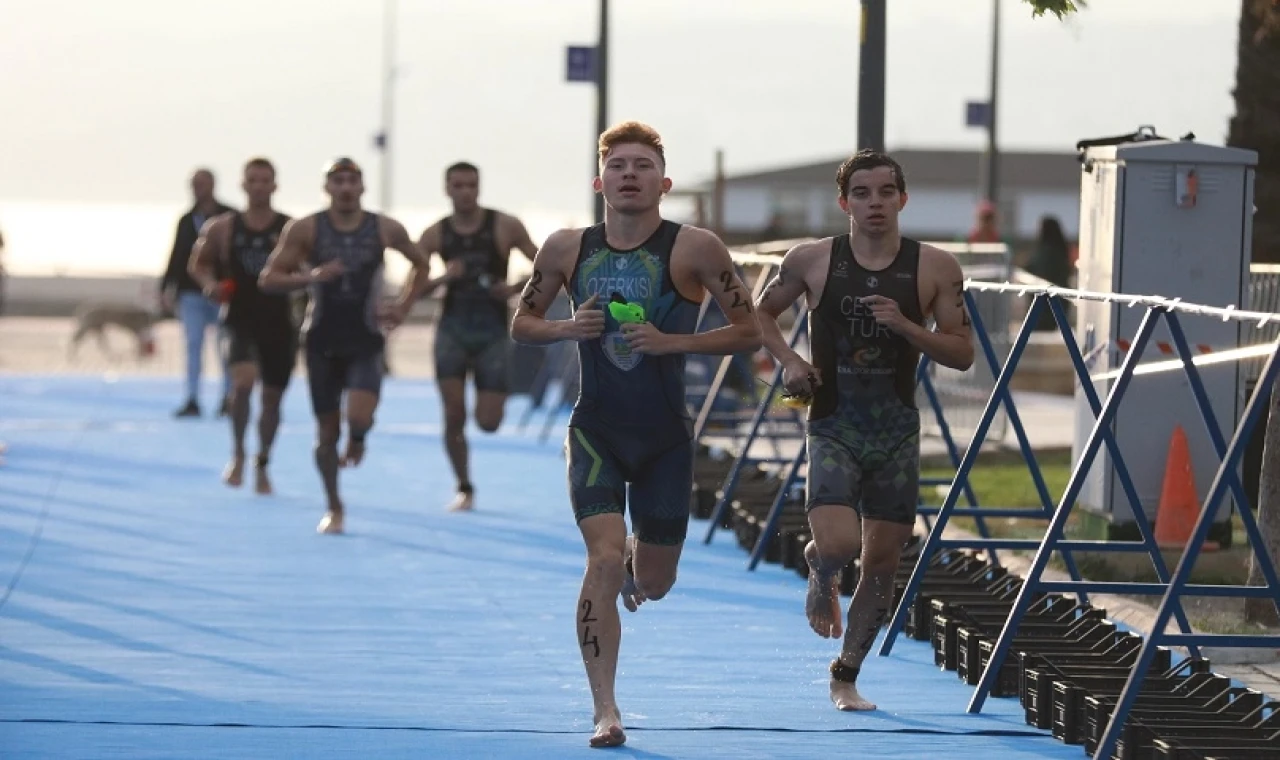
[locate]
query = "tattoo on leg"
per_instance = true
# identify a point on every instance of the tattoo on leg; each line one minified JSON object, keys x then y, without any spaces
{"x":593,"y":641}
{"x":872,"y":630}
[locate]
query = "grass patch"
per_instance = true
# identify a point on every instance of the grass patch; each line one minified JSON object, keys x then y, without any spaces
{"x":1001,"y":480}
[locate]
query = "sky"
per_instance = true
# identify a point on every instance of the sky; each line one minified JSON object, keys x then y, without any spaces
{"x":116,"y":102}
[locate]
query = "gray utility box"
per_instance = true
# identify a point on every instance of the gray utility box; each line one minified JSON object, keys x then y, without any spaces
{"x":1172,"y":219}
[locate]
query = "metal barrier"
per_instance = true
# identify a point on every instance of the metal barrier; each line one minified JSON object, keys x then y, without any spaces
{"x":1170,"y":587}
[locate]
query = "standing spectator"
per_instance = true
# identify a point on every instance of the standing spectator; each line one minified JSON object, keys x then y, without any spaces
{"x":181,"y":294}
{"x":1051,"y":260}
{"x":987,"y":229}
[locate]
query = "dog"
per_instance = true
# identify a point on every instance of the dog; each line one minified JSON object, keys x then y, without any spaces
{"x":96,"y":317}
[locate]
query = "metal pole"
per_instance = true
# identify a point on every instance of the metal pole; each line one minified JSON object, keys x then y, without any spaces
{"x":388,"y":100}
{"x":717,"y":206}
{"x":602,"y":100}
{"x":871,"y":75}
{"x":993,"y":153}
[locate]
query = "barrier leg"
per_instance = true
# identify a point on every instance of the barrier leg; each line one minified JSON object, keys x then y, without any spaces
{"x":731,"y":481}
{"x":1031,"y":584}
{"x":934,"y":539}
{"x":538,"y":389}
{"x":775,"y":511}
{"x":1219,"y":444}
{"x":713,"y":392}
{"x":1117,"y":461}
{"x":948,"y":442}
{"x":553,"y":410}
{"x":1226,"y":473}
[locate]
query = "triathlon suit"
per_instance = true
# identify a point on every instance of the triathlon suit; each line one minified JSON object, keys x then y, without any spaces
{"x":864,"y":426}
{"x":343,"y":340}
{"x":630,"y":423}
{"x":472,"y":333}
{"x":259,"y":326}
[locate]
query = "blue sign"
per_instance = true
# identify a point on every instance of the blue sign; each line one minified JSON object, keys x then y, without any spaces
{"x":580,"y":64}
{"x":977,"y":114}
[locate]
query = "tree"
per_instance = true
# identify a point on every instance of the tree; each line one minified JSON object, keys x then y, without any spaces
{"x":1059,"y":8}
{"x":1256,"y":126}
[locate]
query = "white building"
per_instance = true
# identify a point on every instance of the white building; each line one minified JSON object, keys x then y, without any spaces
{"x":944,"y":188}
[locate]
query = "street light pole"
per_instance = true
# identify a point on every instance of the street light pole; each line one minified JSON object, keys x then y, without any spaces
{"x":602,"y":101}
{"x":993,"y":152}
{"x":871,"y":74}
{"x":388,"y":101}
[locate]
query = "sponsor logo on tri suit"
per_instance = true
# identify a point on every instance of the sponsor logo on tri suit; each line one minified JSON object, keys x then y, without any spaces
{"x":634,"y":277}
{"x":253,"y":257}
{"x":862,"y":324}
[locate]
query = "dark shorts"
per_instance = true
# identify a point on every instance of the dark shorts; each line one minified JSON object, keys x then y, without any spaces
{"x":875,"y":470}
{"x":274,"y":351}
{"x":329,"y":375}
{"x":661,"y":480}
{"x":480,"y":352}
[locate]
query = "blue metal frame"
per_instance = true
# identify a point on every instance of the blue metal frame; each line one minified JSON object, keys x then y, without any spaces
{"x":1172,"y":588}
{"x":726,"y":362}
{"x":757,"y":419}
{"x":1226,"y":477}
{"x":1057,"y":516}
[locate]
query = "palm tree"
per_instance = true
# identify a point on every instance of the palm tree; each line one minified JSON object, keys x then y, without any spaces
{"x":1256,"y":126}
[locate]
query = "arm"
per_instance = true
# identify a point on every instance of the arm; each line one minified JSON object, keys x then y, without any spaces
{"x":521,"y":241}
{"x":283,"y":269}
{"x":207,"y":250}
{"x":787,"y":285}
{"x":714,"y":270}
{"x":429,"y":245}
{"x":530,"y":325}
{"x":170,"y":277}
{"x":398,"y":239}
{"x":951,"y":343}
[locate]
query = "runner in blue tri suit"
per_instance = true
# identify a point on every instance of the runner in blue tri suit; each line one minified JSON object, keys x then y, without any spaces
{"x":630,"y":425}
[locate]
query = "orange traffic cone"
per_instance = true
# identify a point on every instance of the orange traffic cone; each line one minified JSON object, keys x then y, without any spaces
{"x":1179,"y":501}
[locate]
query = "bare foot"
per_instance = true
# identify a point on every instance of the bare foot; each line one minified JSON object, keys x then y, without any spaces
{"x":609,"y":731}
{"x":632,"y":596}
{"x":464,"y":501}
{"x":261,"y":483}
{"x":822,"y":604}
{"x":846,"y":697}
{"x":233,"y":475}
{"x":353,"y":455}
{"x":331,"y":523}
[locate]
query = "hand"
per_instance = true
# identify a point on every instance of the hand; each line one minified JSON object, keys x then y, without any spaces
{"x":800,"y":378}
{"x":886,"y":312}
{"x":454,"y":270}
{"x":644,"y":338}
{"x":167,"y":301}
{"x":501,"y":291}
{"x":587,"y":322}
{"x":220,"y":291}
{"x":391,"y":316}
{"x":330,"y":270}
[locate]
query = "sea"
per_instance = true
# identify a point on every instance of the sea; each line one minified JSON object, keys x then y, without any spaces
{"x":91,"y":240}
